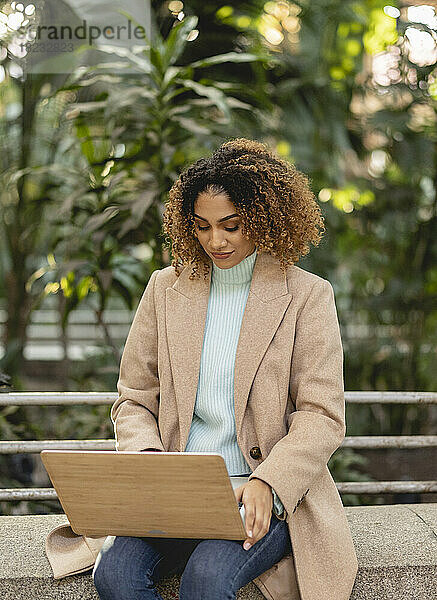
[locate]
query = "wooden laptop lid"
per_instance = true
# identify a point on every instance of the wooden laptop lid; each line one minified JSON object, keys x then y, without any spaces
{"x":145,"y":494}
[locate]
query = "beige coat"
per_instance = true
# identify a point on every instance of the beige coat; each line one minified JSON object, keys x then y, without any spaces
{"x":289,"y":406}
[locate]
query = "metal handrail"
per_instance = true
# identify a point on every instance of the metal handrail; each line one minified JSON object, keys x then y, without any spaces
{"x":355,"y":441}
{"x":102,"y":398}
{"x":56,"y":398}
{"x":347,"y":487}
{"x":68,"y":398}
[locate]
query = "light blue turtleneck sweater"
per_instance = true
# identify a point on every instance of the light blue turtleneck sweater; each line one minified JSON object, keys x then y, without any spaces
{"x":213,"y":425}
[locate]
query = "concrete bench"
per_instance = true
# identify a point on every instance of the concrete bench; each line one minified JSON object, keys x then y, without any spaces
{"x":396,"y":547}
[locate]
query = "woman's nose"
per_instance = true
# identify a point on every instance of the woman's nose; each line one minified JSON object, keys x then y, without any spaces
{"x":217,"y":239}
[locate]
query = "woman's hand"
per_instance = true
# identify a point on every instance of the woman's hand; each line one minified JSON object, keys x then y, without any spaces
{"x":256,"y":495}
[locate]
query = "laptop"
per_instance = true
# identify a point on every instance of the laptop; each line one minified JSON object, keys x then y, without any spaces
{"x":146,"y":494}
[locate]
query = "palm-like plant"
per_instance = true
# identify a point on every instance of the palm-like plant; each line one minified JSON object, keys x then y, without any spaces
{"x":137,"y":128}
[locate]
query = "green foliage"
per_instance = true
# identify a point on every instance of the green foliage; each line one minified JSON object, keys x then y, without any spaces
{"x":87,"y":163}
{"x":136,"y":130}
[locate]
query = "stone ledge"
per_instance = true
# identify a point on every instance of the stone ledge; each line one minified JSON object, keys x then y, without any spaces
{"x":396,"y":547}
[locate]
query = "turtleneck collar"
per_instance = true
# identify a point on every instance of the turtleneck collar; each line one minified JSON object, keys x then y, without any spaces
{"x":241,"y":273}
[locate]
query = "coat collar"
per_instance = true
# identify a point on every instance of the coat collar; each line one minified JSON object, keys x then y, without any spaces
{"x":186,"y":309}
{"x":268,"y":281}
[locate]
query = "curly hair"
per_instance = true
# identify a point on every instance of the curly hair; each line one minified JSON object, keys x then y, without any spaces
{"x":278,"y":210}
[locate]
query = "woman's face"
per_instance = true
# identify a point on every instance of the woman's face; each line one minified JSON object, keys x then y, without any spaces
{"x":218,"y":229}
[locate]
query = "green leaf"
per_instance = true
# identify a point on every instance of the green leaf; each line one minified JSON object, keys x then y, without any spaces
{"x":98,"y":220}
{"x":124,"y":293}
{"x":156,"y":61}
{"x":215,"y":95}
{"x":177,"y":40}
{"x":235,"y":57}
{"x":170,"y":74}
{"x":87,"y":145}
{"x":144,"y":64}
{"x":83,"y":287}
{"x":193,"y":126}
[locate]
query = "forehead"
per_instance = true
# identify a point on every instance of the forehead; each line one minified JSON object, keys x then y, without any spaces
{"x":216,"y":206}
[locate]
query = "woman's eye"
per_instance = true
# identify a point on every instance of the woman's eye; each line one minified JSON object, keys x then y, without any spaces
{"x":226,"y":228}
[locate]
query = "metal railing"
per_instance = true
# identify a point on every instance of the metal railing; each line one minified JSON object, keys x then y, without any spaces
{"x":102,"y":398}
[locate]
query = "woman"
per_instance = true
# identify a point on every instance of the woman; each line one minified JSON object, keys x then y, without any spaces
{"x":246,"y":361}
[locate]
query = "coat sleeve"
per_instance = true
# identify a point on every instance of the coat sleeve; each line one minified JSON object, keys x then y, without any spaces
{"x":134,"y":413}
{"x":317,"y":427}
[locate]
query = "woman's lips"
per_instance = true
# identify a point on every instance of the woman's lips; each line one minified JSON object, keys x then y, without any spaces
{"x":222,"y":255}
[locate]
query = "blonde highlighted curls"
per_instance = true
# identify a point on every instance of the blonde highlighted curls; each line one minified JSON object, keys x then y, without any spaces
{"x":278,"y":210}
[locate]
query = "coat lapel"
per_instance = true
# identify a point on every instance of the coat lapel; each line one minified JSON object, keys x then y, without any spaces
{"x":186,"y":309}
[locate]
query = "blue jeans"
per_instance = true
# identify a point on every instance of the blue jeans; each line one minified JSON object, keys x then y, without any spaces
{"x":127,"y":568}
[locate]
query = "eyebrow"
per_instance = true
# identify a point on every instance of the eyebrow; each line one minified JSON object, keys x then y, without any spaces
{"x":220,"y":220}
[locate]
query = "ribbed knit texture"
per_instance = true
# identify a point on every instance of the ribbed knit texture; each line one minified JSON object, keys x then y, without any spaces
{"x":213,"y":425}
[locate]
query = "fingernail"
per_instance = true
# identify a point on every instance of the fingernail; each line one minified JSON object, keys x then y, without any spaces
{"x":246,"y":545}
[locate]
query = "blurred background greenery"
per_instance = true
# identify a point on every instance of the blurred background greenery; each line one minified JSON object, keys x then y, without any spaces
{"x":347,"y":90}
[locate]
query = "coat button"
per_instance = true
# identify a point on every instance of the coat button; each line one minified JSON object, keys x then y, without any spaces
{"x":255,"y":452}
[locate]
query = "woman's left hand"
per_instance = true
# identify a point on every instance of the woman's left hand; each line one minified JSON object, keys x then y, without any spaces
{"x":256,"y":495}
